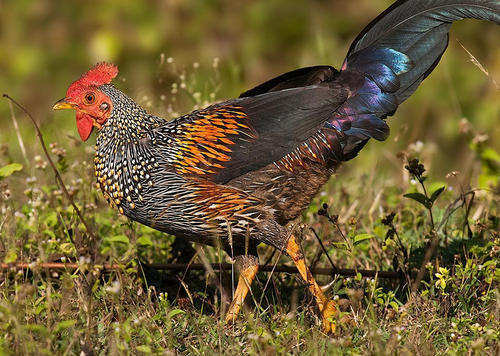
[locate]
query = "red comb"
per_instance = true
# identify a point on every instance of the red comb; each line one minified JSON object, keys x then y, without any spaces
{"x":101,"y":73}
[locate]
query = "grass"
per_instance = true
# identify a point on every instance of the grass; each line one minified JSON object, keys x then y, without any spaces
{"x":138,"y":310}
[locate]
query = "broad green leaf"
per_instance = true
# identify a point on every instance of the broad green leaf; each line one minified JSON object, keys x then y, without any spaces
{"x":65,"y":324}
{"x":175,"y":312}
{"x":436,"y":193}
{"x":144,"y":241}
{"x":431,"y":187}
{"x":37,"y":328}
{"x":7,"y":170}
{"x":144,"y":348}
{"x":50,"y":233}
{"x":490,"y":155}
{"x":394,"y":305}
{"x":361,"y":237}
{"x":486,"y":181}
{"x":39,"y":308}
{"x":341,"y":245}
{"x":119,"y":238}
{"x":51,"y":219}
{"x":11,"y":257}
{"x":67,"y":248}
{"x":419,"y":197}
{"x":489,"y":263}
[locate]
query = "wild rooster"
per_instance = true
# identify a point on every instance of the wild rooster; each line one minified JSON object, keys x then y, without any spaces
{"x":248,"y":166}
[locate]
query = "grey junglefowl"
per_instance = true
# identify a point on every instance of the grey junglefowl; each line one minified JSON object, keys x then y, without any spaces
{"x":251,"y":165}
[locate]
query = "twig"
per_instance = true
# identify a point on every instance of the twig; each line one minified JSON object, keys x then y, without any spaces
{"x":334,"y":268}
{"x":389,"y":221}
{"x":54,"y":168}
{"x":452,"y":208}
{"x":479,"y":65}
{"x":427,"y":257}
{"x":275,"y":264}
{"x":326,"y":271}
{"x":18,"y":133}
{"x":429,"y":208}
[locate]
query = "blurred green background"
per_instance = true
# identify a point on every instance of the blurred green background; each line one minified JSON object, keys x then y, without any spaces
{"x":45,"y":45}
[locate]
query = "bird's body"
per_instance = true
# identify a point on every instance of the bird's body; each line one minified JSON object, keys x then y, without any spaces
{"x":246,"y":167}
{"x":140,"y":165}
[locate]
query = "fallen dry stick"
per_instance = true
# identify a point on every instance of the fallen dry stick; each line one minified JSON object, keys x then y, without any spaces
{"x":346,"y":272}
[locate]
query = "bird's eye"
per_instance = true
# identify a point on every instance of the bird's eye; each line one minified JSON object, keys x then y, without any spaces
{"x":104,"y":106}
{"x":89,"y":98}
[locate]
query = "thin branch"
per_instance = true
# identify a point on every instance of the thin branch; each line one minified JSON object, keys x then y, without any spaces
{"x":334,"y":268}
{"x":347,"y":272}
{"x":18,"y":133}
{"x":478,"y":64}
{"x":54,"y":168}
{"x":459,"y":202}
{"x":429,"y":209}
{"x":427,"y":257}
{"x":273,"y":269}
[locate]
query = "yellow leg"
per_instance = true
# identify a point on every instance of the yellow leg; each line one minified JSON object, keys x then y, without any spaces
{"x":327,"y":308}
{"x":248,"y":270}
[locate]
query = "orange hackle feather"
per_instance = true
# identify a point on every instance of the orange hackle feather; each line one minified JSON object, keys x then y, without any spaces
{"x":206,"y":142}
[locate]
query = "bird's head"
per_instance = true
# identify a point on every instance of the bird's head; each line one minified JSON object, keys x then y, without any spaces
{"x":93,"y":107}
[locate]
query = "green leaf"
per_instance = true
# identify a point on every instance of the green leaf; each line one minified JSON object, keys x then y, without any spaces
{"x":362,"y":237}
{"x":144,"y":241}
{"x":11,"y":257}
{"x":490,"y":155}
{"x":144,"y":348}
{"x":431,"y":187}
{"x":67,"y":248}
{"x":41,"y":329}
{"x":119,"y":238}
{"x":175,"y":312}
{"x":39,"y":308}
{"x":51,"y":219}
{"x":65,"y":324}
{"x":49,"y":233}
{"x":419,"y":197}
{"x":486,"y":181}
{"x":341,"y":245}
{"x":394,"y":305}
{"x":7,"y":170}
{"x":437,"y":193}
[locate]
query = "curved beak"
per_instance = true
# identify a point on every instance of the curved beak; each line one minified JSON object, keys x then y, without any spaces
{"x":63,"y":104}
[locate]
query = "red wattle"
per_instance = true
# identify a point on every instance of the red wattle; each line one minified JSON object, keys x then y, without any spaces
{"x":85,"y":125}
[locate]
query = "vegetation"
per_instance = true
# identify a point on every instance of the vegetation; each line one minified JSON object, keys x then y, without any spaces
{"x":374,"y":214}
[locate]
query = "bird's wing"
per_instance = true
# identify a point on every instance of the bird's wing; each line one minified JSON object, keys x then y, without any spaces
{"x":229,"y":139}
{"x":297,"y":78}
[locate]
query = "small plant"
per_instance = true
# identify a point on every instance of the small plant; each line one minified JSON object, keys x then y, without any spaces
{"x":417,"y":169}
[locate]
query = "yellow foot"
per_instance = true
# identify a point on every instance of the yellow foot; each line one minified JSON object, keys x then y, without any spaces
{"x":328,"y":317}
{"x":232,"y":314}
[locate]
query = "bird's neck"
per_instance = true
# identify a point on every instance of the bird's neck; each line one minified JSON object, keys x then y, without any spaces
{"x":128,"y":122}
{"x":123,"y":159}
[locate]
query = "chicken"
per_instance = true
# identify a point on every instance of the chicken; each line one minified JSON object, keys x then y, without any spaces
{"x":247,"y":167}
